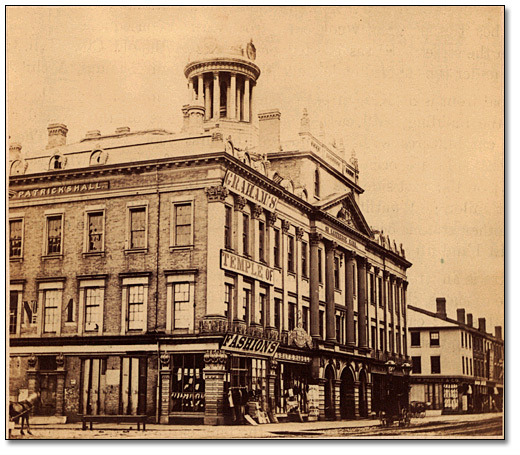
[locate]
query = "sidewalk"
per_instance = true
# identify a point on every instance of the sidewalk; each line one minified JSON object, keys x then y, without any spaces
{"x":273,"y":430}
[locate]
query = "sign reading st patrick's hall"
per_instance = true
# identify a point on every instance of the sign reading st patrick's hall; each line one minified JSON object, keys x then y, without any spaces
{"x":234,"y":263}
{"x":240,"y":185}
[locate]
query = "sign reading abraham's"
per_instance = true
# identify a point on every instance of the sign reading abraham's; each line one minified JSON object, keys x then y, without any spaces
{"x":240,"y":185}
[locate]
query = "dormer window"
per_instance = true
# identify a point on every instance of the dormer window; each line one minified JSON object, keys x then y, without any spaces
{"x":97,"y":158}
{"x":18,"y":167}
{"x":57,"y":162}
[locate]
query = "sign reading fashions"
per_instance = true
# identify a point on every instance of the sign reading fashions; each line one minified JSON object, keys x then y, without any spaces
{"x":234,"y":263}
{"x":62,"y":189}
{"x":246,"y":344}
{"x":240,"y":185}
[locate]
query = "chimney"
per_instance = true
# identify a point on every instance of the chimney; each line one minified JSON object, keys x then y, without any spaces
{"x":57,"y":135}
{"x":122,"y":130}
{"x":441,"y":307}
{"x":482,"y":324}
{"x":498,"y":332}
{"x":461,"y":315}
{"x":15,"y":151}
{"x":470,"y":319}
{"x":92,"y":134}
{"x":269,"y":130}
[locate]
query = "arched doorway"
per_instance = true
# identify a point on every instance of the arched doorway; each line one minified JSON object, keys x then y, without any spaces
{"x":347,"y":404}
{"x":329,"y":392}
{"x":363,"y":404}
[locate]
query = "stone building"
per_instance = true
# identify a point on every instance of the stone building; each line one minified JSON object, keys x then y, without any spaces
{"x":456,"y":367}
{"x":186,"y":275}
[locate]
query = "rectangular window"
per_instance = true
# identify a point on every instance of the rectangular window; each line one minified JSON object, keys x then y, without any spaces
{"x":404,"y":343}
{"x":276,"y":248}
{"x":95,"y":232}
{"x":322,"y":323}
{"x":336,"y":272}
{"x":183,"y":218}
{"x":261,"y":241}
{"x":181,"y":306}
{"x":390,"y":341}
{"x":372,"y":290}
{"x":228,"y":230}
{"x":277,"y":313}
{"x":51,"y":304}
{"x":54,"y":234}
{"x":462,"y":339}
{"x":305,"y":253}
{"x":15,"y":238}
{"x":261,"y":308}
{"x":93,"y":300}
{"x":246,"y":304}
{"x":13,"y":311}
{"x":463,"y":370}
{"x":434,"y":338}
{"x":245,"y":234}
{"x":373,"y":337}
{"x":435,"y":364}
{"x":292,"y":316}
{"x":138,"y":227}
{"x":305,"y":318}
{"x":416,"y":365}
{"x":320,"y":264}
{"x":382,"y":339}
{"x":229,"y":290}
{"x":187,"y":383}
{"x":136,"y":307}
{"x":290,"y":253}
{"x":338,"y":328}
{"x":380,"y":287}
{"x":415,"y":338}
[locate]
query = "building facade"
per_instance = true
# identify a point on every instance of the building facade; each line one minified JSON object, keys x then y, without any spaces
{"x":192,"y":276}
{"x":455,"y":366}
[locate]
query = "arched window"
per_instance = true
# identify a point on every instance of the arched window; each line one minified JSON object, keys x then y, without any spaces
{"x":17,"y":168}
{"x":98,"y":157}
{"x":317,"y":182}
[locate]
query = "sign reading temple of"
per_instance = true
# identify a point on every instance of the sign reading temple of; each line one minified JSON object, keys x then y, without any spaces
{"x":183,"y":276}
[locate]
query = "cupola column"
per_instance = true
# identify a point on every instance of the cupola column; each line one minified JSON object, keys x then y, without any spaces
{"x":207,"y":98}
{"x":200,"y":90}
{"x":216,"y":96}
{"x":247,"y":106}
{"x":191,"y":92}
{"x":350,"y":277}
{"x":232,"y":97}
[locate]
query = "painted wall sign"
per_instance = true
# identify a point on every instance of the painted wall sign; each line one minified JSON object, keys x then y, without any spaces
{"x":234,"y":263}
{"x":298,"y":358}
{"x":240,"y":185}
{"x":243,"y":343}
{"x":62,"y":189}
{"x":339,"y":236}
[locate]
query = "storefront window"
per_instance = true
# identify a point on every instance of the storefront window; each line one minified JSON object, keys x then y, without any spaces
{"x":292,"y":387}
{"x":187,"y":383}
{"x":451,"y":396}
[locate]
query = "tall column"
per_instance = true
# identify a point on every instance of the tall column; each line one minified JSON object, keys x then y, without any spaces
{"x":405,"y":325}
{"x":314,"y":285}
{"x":356,"y":399}
{"x":376,"y":308}
{"x":329,"y":292}
{"x":351,"y":336}
{"x":232,"y":107}
{"x":337,"y":399}
{"x":207,"y":98}
{"x":60,"y":384}
{"x":385,"y":309}
{"x":164,"y":380}
{"x":362,"y":302}
{"x":200,"y":90}
{"x":369,"y":397}
{"x":391,"y":308}
{"x":247,"y":93}
{"x":216,"y":96}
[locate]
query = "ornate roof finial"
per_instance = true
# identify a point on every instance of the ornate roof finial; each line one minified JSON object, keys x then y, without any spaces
{"x":305,"y":126}
{"x":353,"y":159}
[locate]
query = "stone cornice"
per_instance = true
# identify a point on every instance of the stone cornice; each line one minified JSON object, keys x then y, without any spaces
{"x":227,"y":64}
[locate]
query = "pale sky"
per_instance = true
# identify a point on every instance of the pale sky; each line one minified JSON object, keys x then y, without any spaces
{"x":416,"y":92}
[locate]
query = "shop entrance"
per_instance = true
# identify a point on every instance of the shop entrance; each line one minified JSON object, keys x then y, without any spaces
{"x":348,"y":405}
{"x":47,"y":387}
{"x":363,"y":403}
{"x":133,"y":386}
{"x":93,"y":386}
{"x":329,"y":392}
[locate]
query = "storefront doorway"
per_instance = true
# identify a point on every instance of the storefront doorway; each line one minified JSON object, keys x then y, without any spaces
{"x":47,"y":387}
{"x":133,"y":386}
{"x":348,"y":405}
{"x":329,"y":392}
{"x":93,"y":386}
{"x":363,"y":403}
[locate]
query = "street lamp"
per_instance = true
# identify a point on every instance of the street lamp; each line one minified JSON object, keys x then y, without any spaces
{"x":390,"y":366}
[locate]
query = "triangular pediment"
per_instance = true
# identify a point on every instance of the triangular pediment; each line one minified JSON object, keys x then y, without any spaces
{"x":344,"y":208}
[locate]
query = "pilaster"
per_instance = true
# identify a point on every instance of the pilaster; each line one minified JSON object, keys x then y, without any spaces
{"x":214,"y":375}
{"x":315,"y":239}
